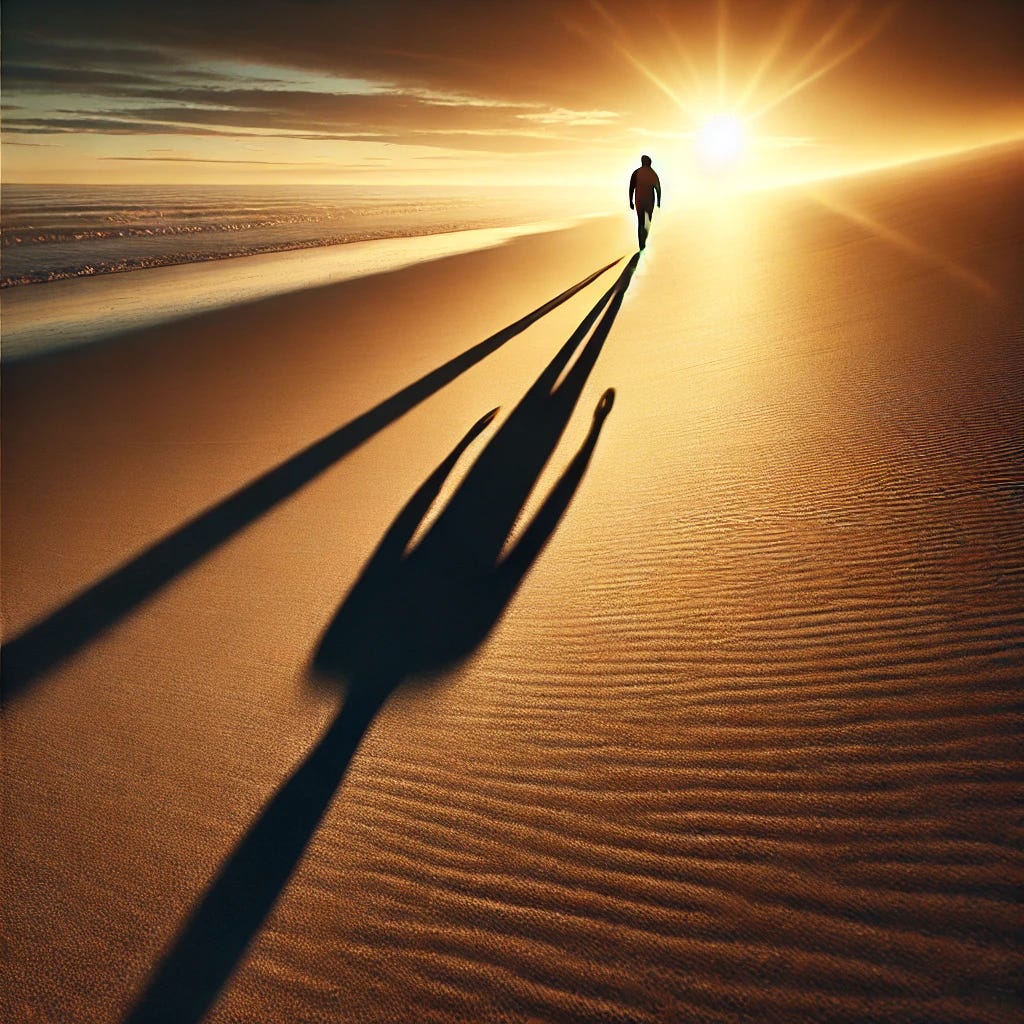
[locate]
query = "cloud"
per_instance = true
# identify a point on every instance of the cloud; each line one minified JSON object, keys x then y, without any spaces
{"x":125,"y":103}
{"x":24,"y":77}
{"x":561,"y":116}
{"x":203,"y":160}
{"x":482,"y":75}
{"x":98,"y":126}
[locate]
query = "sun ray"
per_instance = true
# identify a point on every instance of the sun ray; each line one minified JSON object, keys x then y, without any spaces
{"x":655,"y":79}
{"x":788,"y":23}
{"x":844,"y":55}
{"x":823,"y":41}
{"x":688,"y":61}
{"x":904,"y":242}
{"x":723,"y":26}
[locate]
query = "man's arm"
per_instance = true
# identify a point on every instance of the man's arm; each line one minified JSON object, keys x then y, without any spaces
{"x":632,"y":188}
{"x":657,"y":187}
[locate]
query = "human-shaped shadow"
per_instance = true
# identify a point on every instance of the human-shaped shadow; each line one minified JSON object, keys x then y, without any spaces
{"x":104,"y":603}
{"x":411,"y":612}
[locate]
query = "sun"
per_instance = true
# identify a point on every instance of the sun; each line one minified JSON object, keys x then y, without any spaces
{"x":721,"y":141}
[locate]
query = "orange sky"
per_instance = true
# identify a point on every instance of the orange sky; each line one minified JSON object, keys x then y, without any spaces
{"x":451,"y":92}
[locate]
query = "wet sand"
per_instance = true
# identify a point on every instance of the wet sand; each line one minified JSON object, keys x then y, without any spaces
{"x":73,"y":312}
{"x":727,"y":733}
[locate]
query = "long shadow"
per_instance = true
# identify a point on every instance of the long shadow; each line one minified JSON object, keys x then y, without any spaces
{"x":411,"y":611}
{"x":54,"y":638}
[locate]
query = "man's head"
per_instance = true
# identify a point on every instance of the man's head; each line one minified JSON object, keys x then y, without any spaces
{"x":645,"y":160}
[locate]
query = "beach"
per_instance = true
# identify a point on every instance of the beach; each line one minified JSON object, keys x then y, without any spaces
{"x":727,"y":729}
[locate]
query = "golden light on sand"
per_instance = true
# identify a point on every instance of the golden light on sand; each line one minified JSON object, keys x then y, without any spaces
{"x":887,"y":233}
{"x":773,"y":596}
{"x":721,"y":141}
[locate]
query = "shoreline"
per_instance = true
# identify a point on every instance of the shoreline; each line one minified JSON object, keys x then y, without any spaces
{"x":87,"y":309}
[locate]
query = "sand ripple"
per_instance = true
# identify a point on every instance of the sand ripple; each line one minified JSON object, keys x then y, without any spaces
{"x":742,"y":748}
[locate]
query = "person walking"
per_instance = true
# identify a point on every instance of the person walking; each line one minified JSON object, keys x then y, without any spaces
{"x":644,"y":185}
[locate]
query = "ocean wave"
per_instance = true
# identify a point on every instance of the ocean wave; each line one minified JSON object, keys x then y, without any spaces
{"x":51,"y":233}
{"x":29,"y":235}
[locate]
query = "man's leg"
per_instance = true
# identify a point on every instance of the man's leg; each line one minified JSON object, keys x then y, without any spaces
{"x":643,"y":216}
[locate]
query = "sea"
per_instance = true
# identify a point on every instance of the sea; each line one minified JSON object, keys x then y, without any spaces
{"x":58,"y":241}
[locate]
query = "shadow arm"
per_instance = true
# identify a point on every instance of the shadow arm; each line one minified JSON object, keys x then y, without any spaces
{"x":534,"y":538}
{"x":355,"y":635}
{"x":400,"y":532}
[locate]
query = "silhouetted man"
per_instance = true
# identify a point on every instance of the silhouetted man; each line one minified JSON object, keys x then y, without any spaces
{"x":644,"y":184}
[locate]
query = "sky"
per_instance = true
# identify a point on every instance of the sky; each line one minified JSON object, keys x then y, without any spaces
{"x":554,"y":92}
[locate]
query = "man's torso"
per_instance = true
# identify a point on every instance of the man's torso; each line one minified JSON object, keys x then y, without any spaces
{"x":645,"y":180}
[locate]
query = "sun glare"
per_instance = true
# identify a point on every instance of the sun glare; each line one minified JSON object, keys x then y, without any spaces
{"x":721,"y":141}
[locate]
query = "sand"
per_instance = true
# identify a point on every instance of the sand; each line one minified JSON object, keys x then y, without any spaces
{"x":728,"y":731}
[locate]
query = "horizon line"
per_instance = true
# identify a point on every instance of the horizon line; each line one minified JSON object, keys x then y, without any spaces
{"x":870,"y":167}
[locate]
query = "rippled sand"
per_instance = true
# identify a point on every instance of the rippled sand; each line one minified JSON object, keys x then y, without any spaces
{"x":742,"y":745}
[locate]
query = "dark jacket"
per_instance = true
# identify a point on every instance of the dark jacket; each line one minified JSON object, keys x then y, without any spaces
{"x":643,"y":184}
